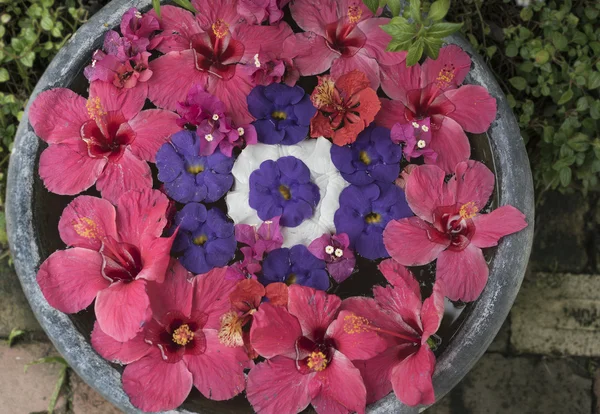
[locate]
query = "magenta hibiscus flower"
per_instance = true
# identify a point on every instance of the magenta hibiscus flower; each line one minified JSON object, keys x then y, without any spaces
{"x":105,"y":140}
{"x":180,"y":346}
{"x":210,"y":49}
{"x":398,"y":314}
{"x":430,"y":97}
{"x":113,"y":254}
{"x":309,"y":349}
{"x":342,"y":35}
{"x":449,"y":226}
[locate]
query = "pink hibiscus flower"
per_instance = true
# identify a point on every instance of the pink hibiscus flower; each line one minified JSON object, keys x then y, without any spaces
{"x":397,"y":312}
{"x":210,"y":49}
{"x":105,"y":140}
{"x":113,"y":254}
{"x":449,"y":226}
{"x":429,"y":97}
{"x":342,"y":35}
{"x":309,"y":349}
{"x":261,"y":10}
{"x":180,"y":345}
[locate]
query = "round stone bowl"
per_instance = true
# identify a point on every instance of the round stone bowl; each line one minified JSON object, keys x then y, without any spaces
{"x":32,"y":217}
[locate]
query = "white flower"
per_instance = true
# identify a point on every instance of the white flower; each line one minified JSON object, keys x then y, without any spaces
{"x":315,"y":153}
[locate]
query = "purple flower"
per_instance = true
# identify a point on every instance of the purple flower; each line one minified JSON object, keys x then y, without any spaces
{"x":373,"y":157}
{"x":189,"y":177}
{"x":295,"y":265}
{"x":283,"y":188}
{"x":282,"y":113}
{"x":365,"y":211}
{"x":416,"y":137}
{"x":334,"y":250}
{"x":205,"y":239}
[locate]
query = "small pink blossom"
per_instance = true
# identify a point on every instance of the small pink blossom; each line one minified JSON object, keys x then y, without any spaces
{"x":449,"y":226}
{"x":335,"y":251}
{"x":429,"y":98}
{"x":407,"y":324}
{"x":416,"y":137}
{"x":104,"y":140}
{"x":114,"y":253}
{"x":138,"y":27}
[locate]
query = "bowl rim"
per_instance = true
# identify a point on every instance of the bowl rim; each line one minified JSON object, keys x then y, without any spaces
{"x":478,"y":329}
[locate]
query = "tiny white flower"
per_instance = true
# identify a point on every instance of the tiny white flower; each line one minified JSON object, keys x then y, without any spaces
{"x":138,"y":14}
{"x":240,"y":131}
{"x":329,"y":249}
{"x":414,"y":124}
{"x":208,"y":137}
{"x":256,"y":61}
{"x":215,"y":117}
{"x":339,"y":253}
{"x":424,"y":128}
{"x":421,"y":143}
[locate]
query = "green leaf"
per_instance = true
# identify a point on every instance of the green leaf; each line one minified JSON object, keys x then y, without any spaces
{"x":4,"y":76}
{"x":156,"y":7}
{"x":438,"y":10}
{"x":47,"y":23}
{"x":47,"y":360}
{"x":185,"y":4}
{"x":565,"y":97}
{"x":542,"y":56}
{"x":579,"y":142}
{"x":14,"y":334}
{"x":62,"y":378}
{"x":593,"y":80}
{"x":28,"y":59}
{"x":441,"y":30}
{"x":512,"y":50}
{"x":395,"y":7}
{"x":400,"y":30}
{"x":415,"y":51}
{"x":395,"y":46}
{"x":372,"y":5}
{"x":526,"y":14}
{"x":415,"y":10}
{"x":565,"y":176}
{"x":518,"y":83}
{"x":559,"y":41}
{"x":432,"y":47}
{"x":595,"y":109}
{"x":582,"y":104}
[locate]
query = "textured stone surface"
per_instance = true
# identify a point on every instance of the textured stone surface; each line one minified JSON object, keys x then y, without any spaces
{"x":88,"y":401}
{"x":560,"y":240}
{"x":557,"y":314}
{"x":14,"y":308}
{"x":28,"y":392}
{"x":527,"y":385}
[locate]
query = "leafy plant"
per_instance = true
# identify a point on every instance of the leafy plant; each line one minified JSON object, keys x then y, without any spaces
{"x":14,"y":334}
{"x":60,"y":382}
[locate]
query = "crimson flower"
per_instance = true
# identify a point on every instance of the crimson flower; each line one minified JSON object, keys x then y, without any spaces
{"x":449,"y":226}
{"x":309,"y":349}
{"x":429,"y":96}
{"x":407,"y":324}
{"x":114,"y":253}
{"x":105,"y":139}
{"x":181,"y":345}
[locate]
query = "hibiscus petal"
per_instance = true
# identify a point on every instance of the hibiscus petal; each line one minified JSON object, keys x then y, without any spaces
{"x":398,"y":275}
{"x":361,"y":62}
{"x":262,"y":39}
{"x":475,"y":108}
{"x":464,"y":273}
{"x":274,"y":332}
{"x":155,"y":257}
{"x":128,"y":101}
{"x":154,"y":385}
{"x":86,"y":221}
{"x":378,"y":40}
{"x":432,"y":312}
{"x":174,"y":294}
{"x":119,"y":352}
{"x":353,"y":340}
{"x":233,"y":93}
{"x":129,"y":173}
{"x":474,"y":183}
{"x":70,"y":279}
{"x":57,"y":115}
{"x":211,"y":296}
{"x":342,"y":387}
{"x":426,"y":190}
{"x":66,"y":169}
{"x":141,"y":214}
{"x":314,"y":15}
{"x":219,"y":371}
{"x":398,"y":80}
{"x":314,"y":309}
{"x":489,"y":228}
{"x":152,"y":128}
{"x":451,"y":145}
{"x":377,"y":371}
{"x":448,"y":70}
{"x":122,"y":309}
{"x":413,"y":242}
{"x":313,"y":55}
{"x":411,"y":379}
{"x":391,"y":112}
{"x":276,"y":386}
{"x":178,"y":26}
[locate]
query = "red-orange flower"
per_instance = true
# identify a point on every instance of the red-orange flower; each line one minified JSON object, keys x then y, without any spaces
{"x":345,"y":107}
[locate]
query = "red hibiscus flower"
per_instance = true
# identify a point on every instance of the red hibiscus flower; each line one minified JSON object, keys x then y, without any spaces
{"x":309,"y":349}
{"x":105,"y":140}
{"x":344,"y":107}
{"x":114,"y":253}
{"x":449,"y":227}
{"x":210,"y":49}
{"x":429,"y":96}
{"x":180,"y":346}
{"x":398,"y":314}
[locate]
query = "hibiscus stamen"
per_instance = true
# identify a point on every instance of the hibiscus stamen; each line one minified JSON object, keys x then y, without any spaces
{"x":445,"y":76}
{"x":354,"y":324}
{"x":220,"y":28}
{"x":183,"y":335}
{"x":94,"y":108}
{"x":85,"y":227}
{"x":468,"y":210}
{"x":317,"y":361}
{"x":230,"y":333}
{"x":354,"y":14}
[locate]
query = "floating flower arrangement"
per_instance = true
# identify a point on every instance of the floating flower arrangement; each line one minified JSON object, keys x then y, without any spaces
{"x":218,"y":267}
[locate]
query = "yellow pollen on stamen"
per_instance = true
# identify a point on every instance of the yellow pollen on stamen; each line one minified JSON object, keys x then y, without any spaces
{"x":364,"y":157}
{"x":200,"y":240}
{"x":183,"y":335}
{"x":468,"y":210}
{"x":279,"y":115}
{"x":285,"y":192}
{"x":323,"y":94}
{"x":373,"y":218}
{"x":354,"y":14}
{"x":220,"y":28}
{"x":195,"y":169}
{"x":445,"y":76}
{"x":85,"y":227}
{"x":94,"y":108}
{"x":230,"y":333}
{"x":317,"y":361}
{"x":354,"y":324}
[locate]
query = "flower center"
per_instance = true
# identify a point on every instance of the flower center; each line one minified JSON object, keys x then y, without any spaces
{"x":230,"y":333}
{"x":445,"y":76}
{"x":183,"y":335}
{"x":220,"y":28}
{"x":354,"y":14}
{"x":346,"y":38}
{"x":106,"y":134}
{"x":279,"y":115}
{"x":291,"y":279}
{"x":195,"y":168}
{"x":317,"y":361}
{"x":364,"y":157}
{"x":468,"y":210}
{"x":200,"y":240}
{"x":94,"y":108}
{"x":354,"y":324}
{"x":324,"y":93}
{"x":216,"y":52}
{"x":373,"y":218}
{"x":285,"y":192}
